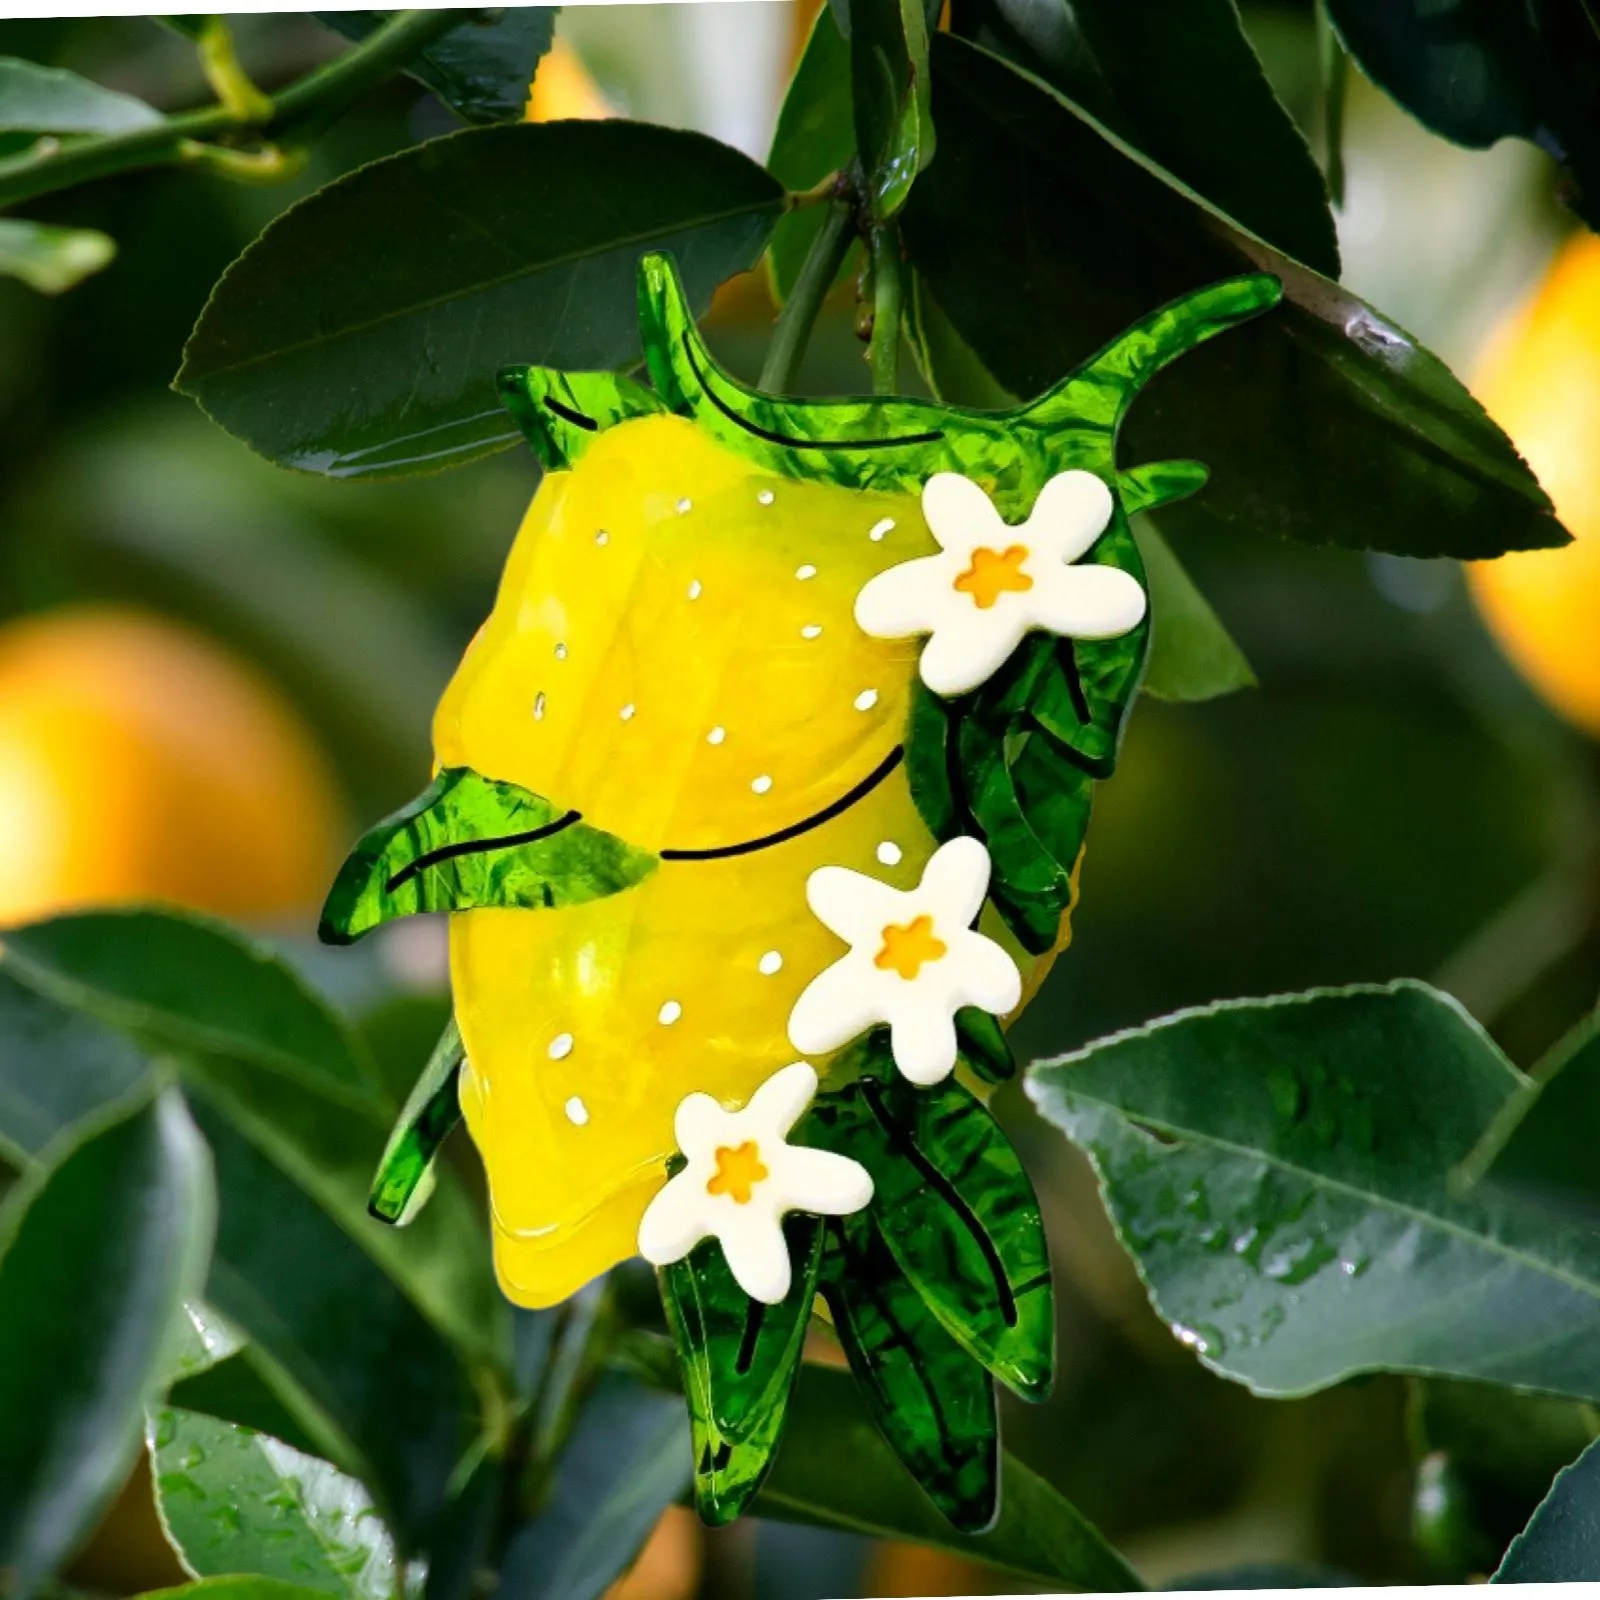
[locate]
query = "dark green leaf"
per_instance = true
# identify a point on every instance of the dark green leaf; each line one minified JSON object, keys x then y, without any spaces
{"x":1039,"y":1535}
{"x":1192,"y":656}
{"x":1562,"y":1542}
{"x":361,"y":333}
{"x":405,"y":1179}
{"x":51,"y":260}
{"x":237,"y":1390}
{"x":1481,"y":70}
{"x":889,"y":96}
{"x":1183,"y":85}
{"x":945,"y":359}
{"x":814,"y":137}
{"x":956,"y":1209}
{"x":560,"y":413}
{"x":1323,"y":421}
{"x":931,"y":1401}
{"x":626,"y":1461}
{"x":469,"y":841}
{"x":482,"y":69}
{"x":99,"y":1256}
{"x":1281,"y":1172}
{"x":983,"y":1045}
{"x":233,"y":1501}
{"x":1542,"y":1145}
{"x":35,"y":99}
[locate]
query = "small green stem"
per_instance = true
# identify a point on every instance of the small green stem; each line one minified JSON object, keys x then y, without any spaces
{"x":888,"y":293}
{"x":302,"y":110}
{"x":799,"y":314}
{"x":228,"y":80}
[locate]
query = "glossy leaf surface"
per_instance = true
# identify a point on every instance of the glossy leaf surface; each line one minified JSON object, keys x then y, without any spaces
{"x":1562,"y":1542}
{"x":955,"y":1207}
{"x":404,"y":1179}
{"x":36,"y":99}
{"x":361,"y":333}
{"x":890,"y":100}
{"x":1039,"y":1534}
{"x":931,"y":1401}
{"x":481,"y":69}
{"x":233,"y":1501}
{"x":469,"y":841}
{"x":98,"y":1258}
{"x":1286,"y":1190}
{"x":49,"y":259}
{"x":1324,"y":422}
{"x":1183,"y":85}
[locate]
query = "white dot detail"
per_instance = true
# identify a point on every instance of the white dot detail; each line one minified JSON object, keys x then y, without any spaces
{"x":561,"y":652}
{"x":812,"y":630}
{"x":669,"y":1013}
{"x":766,"y":497}
{"x":538,"y":706}
{"x":577,"y":1112}
{"x":866,"y":700}
{"x":685,"y":506}
{"x":694,"y":589}
{"x":761,"y":784}
{"x":889,"y":853}
{"x":560,"y":1047}
{"x":717,"y":735}
{"x":770,"y":963}
{"x":876,"y":532}
{"x":807,"y":571}
{"x":602,"y":538}
{"x":626,"y":713}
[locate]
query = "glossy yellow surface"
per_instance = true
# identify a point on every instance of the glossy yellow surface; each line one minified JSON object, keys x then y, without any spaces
{"x":672,"y":653}
{"x":1540,"y":380}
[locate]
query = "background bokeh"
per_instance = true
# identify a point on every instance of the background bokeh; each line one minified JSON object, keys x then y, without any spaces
{"x":210,"y":669}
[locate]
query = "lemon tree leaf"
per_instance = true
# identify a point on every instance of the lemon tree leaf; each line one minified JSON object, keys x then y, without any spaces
{"x":1184,"y":85}
{"x":1039,"y":1535}
{"x":235,"y":1501}
{"x":1192,"y":655}
{"x":815,"y":135}
{"x":51,"y":259}
{"x":470,"y":841}
{"x":483,"y":68}
{"x":1561,"y":1544}
{"x":889,"y":96}
{"x":1323,"y":422}
{"x":236,"y":1389}
{"x":35,"y":99}
{"x":97,"y":1255}
{"x":361,"y":333}
{"x":1281,"y":1171}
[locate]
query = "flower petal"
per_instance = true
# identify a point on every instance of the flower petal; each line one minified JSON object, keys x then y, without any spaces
{"x":781,"y":1101}
{"x":674,"y":1222}
{"x":1071,"y":512}
{"x":969,"y":646}
{"x":699,"y":1124}
{"x":821,"y":1182}
{"x":1087,"y":601}
{"x":757,"y":1252}
{"x":905,"y":599}
{"x":958,"y":512}
{"x":840,"y":1002}
{"x":955,"y":881}
{"x":851,"y":904}
{"x":987,"y":976}
{"x":922,"y":1039}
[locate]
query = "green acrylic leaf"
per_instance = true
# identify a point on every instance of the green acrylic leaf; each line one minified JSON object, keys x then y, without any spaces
{"x":99,"y":1255}
{"x":815,"y":136}
{"x":232,"y":1501}
{"x":234,"y":1588}
{"x":1282,"y":1172}
{"x":1039,"y":1535}
{"x":889,"y":95}
{"x":50,"y":259}
{"x":404,"y":1180}
{"x":1325,"y":423}
{"x":561,"y":412}
{"x":360,"y":334}
{"x":483,"y":69}
{"x":1158,"y":483}
{"x":468,"y":841}
{"x":35,"y":99}
{"x":955,"y":1207}
{"x":728,"y":1473}
{"x":983,"y":1045}
{"x":932,"y":1402}
{"x":1192,"y":656}
{"x":739,"y":1356}
{"x":1159,"y":80}
{"x":1562,"y":1542}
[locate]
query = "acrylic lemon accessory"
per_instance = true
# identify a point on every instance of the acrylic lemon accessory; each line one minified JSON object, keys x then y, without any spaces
{"x":760,"y":800}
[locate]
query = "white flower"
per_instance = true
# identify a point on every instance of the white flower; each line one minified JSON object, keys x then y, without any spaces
{"x":741,"y":1178}
{"x":991,"y":583}
{"x":914,"y":961}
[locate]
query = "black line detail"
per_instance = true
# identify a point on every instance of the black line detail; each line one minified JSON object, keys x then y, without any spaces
{"x":901,"y":1141}
{"x":576,"y":418}
{"x":472,"y":847}
{"x":805,"y":825}
{"x":755,"y":1315}
{"x":787,"y":439}
{"x":1068,"y":656}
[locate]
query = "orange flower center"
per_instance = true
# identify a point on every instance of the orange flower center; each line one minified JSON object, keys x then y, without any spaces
{"x":906,"y":948}
{"x":739,"y":1170}
{"x":993,"y":572}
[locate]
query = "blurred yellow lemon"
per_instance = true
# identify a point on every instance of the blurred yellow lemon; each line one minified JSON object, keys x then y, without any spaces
{"x":1540,"y":380}
{"x":139,"y":761}
{"x":562,"y":90}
